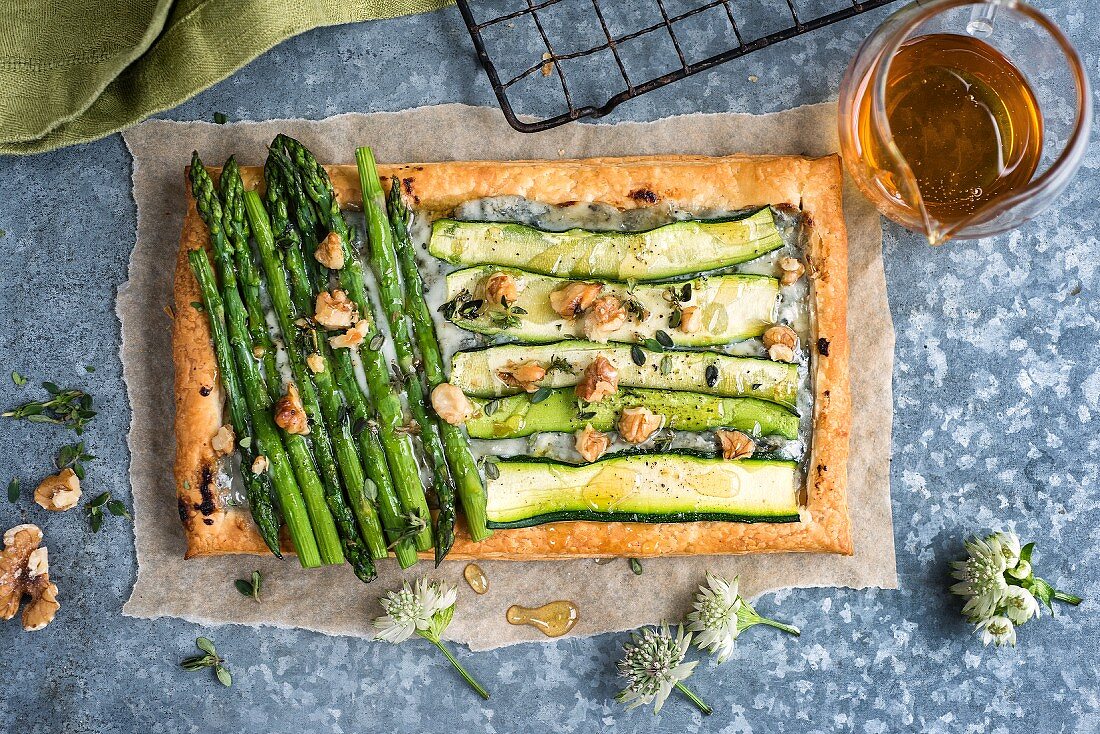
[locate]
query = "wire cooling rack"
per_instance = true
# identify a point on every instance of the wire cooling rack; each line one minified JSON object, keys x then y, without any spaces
{"x":562,"y":60}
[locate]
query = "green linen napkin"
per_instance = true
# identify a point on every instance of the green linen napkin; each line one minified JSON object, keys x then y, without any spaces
{"x":76,"y":70}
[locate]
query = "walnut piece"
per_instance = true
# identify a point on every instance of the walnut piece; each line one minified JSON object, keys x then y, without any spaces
{"x":334,"y":310}
{"x":290,"y":414}
{"x":59,"y":492}
{"x":25,"y":572}
{"x":316,"y":363}
{"x":780,"y":353}
{"x":636,"y":425}
{"x":260,"y":464}
{"x":606,"y":316}
{"x":223,"y":440}
{"x":573,"y":299}
{"x":691,"y":320}
{"x":501,"y":290}
{"x":524,"y":375}
{"x":735,"y":445}
{"x":330,"y":252}
{"x":591,"y":444}
{"x":353,"y":337}
{"x":600,"y":380}
{"x":451,"y":404}
{"x":792,"y":270}
{"x":780,"y":334}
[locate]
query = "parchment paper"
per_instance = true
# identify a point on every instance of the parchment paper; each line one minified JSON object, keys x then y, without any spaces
{"x":610,"y":597}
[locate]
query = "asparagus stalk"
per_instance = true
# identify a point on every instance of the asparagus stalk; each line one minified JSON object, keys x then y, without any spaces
{"x":374,"y":458}
{"x":323,"y":522}
{"x":257,"y":486}
{"x":265,"y":437}
{"x":471,"y":492}
{"x":383,"y":259}
{"x":231,"y":188}
{"x":390,"y":414}
{"x":332,"y":407}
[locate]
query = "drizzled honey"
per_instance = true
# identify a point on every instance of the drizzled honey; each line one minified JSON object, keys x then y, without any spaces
{"x":963,"y":118}
{"x":553,"y":619}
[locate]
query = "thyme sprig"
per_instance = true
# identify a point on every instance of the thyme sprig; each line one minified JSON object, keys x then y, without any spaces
{"x":70,"y":407}
{"x":210,"y":659}
{"x":250,"y":587}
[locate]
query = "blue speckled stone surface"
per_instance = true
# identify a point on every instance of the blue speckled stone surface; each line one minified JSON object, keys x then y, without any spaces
{"x":997,"y":386}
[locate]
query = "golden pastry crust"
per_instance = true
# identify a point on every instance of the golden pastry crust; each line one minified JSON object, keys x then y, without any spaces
{"x":691,"y":182}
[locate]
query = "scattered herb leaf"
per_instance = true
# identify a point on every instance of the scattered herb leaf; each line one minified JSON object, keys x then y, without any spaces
{"x":73,"y":457}
{"x":209,"y":660}
{"x":491,"y":470}
{"x":197,"y":305}
{"x":116,"y":508}
{"x":250,"y":588}
{"x":539,"y":395}
{"x":18,"y":379}
{"x":97,"y":505}
{"x":586,"y":415}
{"x":712,"y":375}
{"x":89,"y":368}
{"x":220,"y":118}
{"x":664,"y":339}
{"x":559,"y":364}
{"x":636,"y":566}
{"x":377,"y":341}
{"x":653,"y":345}
{"x":491,"y":407}
{"x":13,"y":490}
{"x":70,"y":408}
{"x":637,"y":355}
{"x":666,"y":365}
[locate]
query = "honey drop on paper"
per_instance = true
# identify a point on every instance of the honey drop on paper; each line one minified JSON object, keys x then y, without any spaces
{"x":553,"y":619}
{"x":476,"y":578}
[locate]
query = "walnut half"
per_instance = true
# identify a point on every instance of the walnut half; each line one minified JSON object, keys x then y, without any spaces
{"x":524,"y":375}
{"x":600,"y":380}
{"x":59,"y":492}
{"x":25,"y":572}
{"x":736,"y":445}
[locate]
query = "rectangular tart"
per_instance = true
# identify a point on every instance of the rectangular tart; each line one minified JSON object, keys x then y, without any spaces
{"x":810,"y":187}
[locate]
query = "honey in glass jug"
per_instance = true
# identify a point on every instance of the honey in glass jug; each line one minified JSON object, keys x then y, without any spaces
{"x":941,"y":127}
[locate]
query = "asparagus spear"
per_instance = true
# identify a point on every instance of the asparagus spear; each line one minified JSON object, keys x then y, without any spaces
{"x":314,"y":491}
{"x":238,"y":232}
{"x":391,"y":421}
{"x":332,"y":406}
{"x":374,"y":457}
{"x":257,"y":486}
{"x":265,"y":436}
{"x":470,"y":490}
{"x":383,"y":259}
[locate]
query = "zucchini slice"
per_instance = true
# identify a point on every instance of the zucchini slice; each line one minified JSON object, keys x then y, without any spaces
{"x":678,"y":248}
{"x":677,"y":487}
{"x":712,"y":373}
{"x":734,"y":307}
{"x":517,"y":416}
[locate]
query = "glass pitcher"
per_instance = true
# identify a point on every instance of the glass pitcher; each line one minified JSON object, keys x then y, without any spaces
{"x":1041,"y":54}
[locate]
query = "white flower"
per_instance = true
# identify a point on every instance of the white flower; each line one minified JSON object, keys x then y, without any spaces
{"x":654,"y":665}
{"x":714,"y":618}
{"x":414,"y":609}
{"x":1020,"y":604}
{"x":720,"y":614}
{"x":1009,"y":546}
{"x":981,"y":577}
{"x":998,"y":630}
{"x":425,"y":609}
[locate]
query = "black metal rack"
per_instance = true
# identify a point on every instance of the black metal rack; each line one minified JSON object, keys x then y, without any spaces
{"x":593,"y":46}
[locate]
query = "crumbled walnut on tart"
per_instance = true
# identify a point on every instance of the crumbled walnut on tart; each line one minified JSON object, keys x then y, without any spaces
{"x":735,"y":445}
{"x":606,"y":316}
{"x":353,"y":337}
{"x":780,"y":353}
{"x":316,"y":363}
{"x":59,"y":492}
{"x":524,"y":375}
{"x":223,"y":440}
{"x":636,"y":425}
{"x":290,"y":414}
{"x":792,"y":270}
{"x":25,"y":572}
{"x":600,"y":380}
{"x":573,"y":299}
{"x":501,"y":290}
{"x":591,"y":444}
{"x":451,"y":404}
{"x":260,"y":464}
{"x":691,"y":320}
{"x":330,"y":252}
{"x":334,"y":310}
{"x":780,"y":334}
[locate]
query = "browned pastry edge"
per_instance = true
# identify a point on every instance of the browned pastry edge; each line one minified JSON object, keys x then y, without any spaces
{"x":691,"y":182}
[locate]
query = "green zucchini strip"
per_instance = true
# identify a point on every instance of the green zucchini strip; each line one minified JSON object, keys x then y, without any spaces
{"x":733,"y":307}
{"x":475,"y":372}
{"x":677,"y":487}
{"x":678,"y":248}
{"x":560,"y":411}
